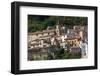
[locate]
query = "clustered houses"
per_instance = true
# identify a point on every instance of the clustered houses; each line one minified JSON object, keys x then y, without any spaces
{"x":39,"y":41}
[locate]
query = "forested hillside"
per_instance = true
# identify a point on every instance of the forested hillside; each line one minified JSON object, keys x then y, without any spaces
{"x":40,"y":22}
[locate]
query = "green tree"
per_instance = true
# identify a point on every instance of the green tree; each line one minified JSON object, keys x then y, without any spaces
{"x":39,"y":23}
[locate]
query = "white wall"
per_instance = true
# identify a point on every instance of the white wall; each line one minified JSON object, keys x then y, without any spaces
{"x":5,"y":41}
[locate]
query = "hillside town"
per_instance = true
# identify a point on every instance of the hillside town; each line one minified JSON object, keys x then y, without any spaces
{"x":43,"y":45}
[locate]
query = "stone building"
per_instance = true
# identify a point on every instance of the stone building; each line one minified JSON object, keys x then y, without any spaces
{"x":58,"y":36}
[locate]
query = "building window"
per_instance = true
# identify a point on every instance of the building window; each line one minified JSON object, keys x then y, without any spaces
{"x":36,"y":34}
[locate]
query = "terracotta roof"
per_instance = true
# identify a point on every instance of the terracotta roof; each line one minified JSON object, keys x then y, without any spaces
{"x":41,"y":32}
{"x":35,"y":44}
{"x":73,"y":37}
{"x":45,"y":36}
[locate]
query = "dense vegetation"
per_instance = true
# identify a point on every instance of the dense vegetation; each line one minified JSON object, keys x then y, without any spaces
{"x":39,"y":23}
{"x":64,"y":54}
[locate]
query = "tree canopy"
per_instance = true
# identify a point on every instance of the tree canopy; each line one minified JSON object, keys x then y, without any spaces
{"x":40,"y":22}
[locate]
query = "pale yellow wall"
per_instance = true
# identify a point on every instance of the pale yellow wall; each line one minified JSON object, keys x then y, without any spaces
{"x":75,"y":41}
